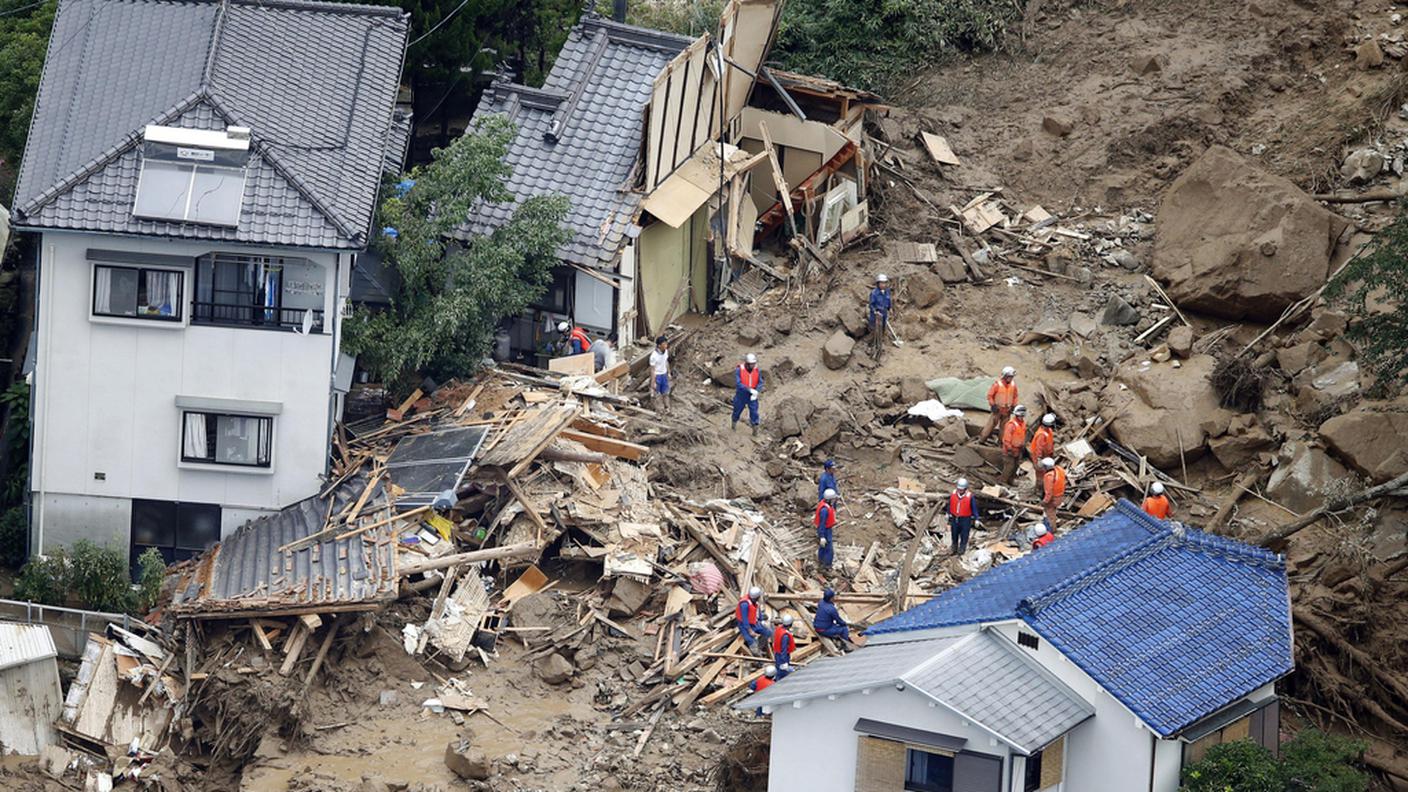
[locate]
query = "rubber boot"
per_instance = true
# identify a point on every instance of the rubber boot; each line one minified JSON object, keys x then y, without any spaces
{"x":755,"y":430}
{"x":734,"y":427}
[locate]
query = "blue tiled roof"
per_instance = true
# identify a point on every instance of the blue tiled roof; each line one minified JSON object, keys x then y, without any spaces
{"x":1173,"y":622}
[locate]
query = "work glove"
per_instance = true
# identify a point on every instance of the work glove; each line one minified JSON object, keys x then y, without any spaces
{"x":753,"y":394}
{"x":823,"y":543}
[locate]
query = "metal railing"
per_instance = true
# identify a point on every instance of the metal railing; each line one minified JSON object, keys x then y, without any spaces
{"x":254,"y":316}
{"x":68,"y":626}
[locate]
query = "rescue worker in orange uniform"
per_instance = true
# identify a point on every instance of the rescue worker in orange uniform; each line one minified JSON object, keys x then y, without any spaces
{"x":1043,"y":445}
{"x":962,"y":511}
{"x":1053,"y":490}
{"x":575,"y":340}
{"x":1002,"y":397}
{"x":763,"y":683}
{"x":1043,"y":537}
{"x":1014,"y":437}
{"x":1157,"y":503}
{"x":825,"y":521}
{"x":783,"y":645}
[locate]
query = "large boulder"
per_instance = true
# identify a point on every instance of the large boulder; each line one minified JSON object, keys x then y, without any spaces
{"x":1370,"y":439}
{"x":1238,"y":242}
{"x":1154,"y":407}
{"x":823,"y":425}
{"x":1298,"y":482}
{"x":924,"y":288}
{"x":836,"y":352}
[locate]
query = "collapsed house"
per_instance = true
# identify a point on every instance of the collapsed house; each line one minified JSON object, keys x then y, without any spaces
{"x":660,"y":144}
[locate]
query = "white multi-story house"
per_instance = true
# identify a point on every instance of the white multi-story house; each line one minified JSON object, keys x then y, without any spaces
{"x":202,"y":175}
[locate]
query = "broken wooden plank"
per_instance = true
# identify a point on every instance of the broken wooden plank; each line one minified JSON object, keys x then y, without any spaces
{"x":777,"y":178}
{"x":520,"y":550}
{"x":400,"y":412}
{"x":622,"y":449}
{"x":938,"y":149}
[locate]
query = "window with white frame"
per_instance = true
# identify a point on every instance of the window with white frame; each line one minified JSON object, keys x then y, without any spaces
{"x":225,"y":439}
{"x":137,"y":292}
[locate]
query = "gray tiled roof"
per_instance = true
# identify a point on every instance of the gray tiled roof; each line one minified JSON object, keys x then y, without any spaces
{"x":597,"y":91}
{"x":978,"y":675}
{"x":315,"y":82}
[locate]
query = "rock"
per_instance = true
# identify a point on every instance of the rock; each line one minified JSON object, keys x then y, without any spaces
{"x":822,"y":427}
{"x":853,"y":321}
{"x":1295,"y":359}
{"x":836,"y":352}
{"x":627,"y":597}
{"x":1368,"y":55}
{"x":951,"y":270}
{"x":1086,"y":362}
{"x":804,"y":495}
{"x":554,"y":669}
{"x":1083,"y":275}
{"x":722,"y":373}
{"x":749,"y":336}
{"x":913,"y":390}
{"x":953,"y":432}
{"x":1298,"y":482}
{"x":1237,"y":451}
{"x":924,"y":288}
{"x":787,"y":424}
{"x":1059,"y":260}
{"x":1057,"y":357}
{"x":1330,"y":382}
{"x":1058,"y":124}
{"x":1370,"y":439}
{"x":1163,"y":403}
{"x":468,"y":762}
{"x":1362,"y":165}
{"x":535,"y":610}
{"x":1180,"y":341}
{"x":1327,"y":325}
{"x":1148,"y":64}
{"x":1215,"y":224}
{"x":1123,"y":258}
{"x":386,"y":698}
{"x":967,"y":458}
{"x":1119,"y":312}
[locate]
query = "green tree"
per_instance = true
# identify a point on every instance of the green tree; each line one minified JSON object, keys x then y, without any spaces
{"x":454,"y":293}
{"x":1373,"y":289}
{"x":1241,"y":766}
{"x":873,"y":43}
{"x":24,"y":38}
{"x":1314,"y":761}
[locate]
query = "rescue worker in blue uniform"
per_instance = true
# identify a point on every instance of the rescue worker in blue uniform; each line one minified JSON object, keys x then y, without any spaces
{"x":828,"y":622}
{"x":878,"y":313}
{"x":769,"y":678}
{"x":827,"y":480}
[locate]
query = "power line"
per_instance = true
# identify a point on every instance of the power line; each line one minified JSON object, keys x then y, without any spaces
{"x":14,"y":11}
{"x":437,"y":26}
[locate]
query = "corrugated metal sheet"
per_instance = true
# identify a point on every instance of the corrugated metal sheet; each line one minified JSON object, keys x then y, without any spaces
{"x":24,"y":643}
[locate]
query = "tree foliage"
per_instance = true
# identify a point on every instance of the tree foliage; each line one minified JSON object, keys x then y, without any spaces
{"x":454,"y":293}
{"x":24,"y":38}
{"x":91,"y":577}
{"x":1312,"y":761}
{"x":873,"y":43}
{"x":1373,"y":289}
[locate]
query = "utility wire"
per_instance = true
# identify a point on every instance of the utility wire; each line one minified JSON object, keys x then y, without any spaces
{"x":14,"y":11}
{"x":437,"y":26}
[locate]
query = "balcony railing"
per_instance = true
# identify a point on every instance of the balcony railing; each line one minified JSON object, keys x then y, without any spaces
{"x":254,"y":316}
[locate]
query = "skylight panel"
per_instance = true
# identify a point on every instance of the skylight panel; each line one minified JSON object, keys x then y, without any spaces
{"x":192,"y":175}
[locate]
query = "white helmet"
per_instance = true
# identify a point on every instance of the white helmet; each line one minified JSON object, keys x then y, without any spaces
{"x":562,"y":327}
{"x":1048,"y":463}
{"x":882,"y":278}
{"x":830,"y":494}
{"x":754,"y":593}
{"x":1008,"y":371}
{"x":786,"y":620}
{"x":963,"y":484}
{"x":1157,"y":489}
{"x":770,"y":672}
{"x":750,"y":358}
{"x":1019,"y":410}
{"x":1041,"y":529}
{"x":1049,"y":419}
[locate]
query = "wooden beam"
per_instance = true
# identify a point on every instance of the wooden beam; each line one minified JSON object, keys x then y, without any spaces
{"x":261,"y":636}
{"x":530,"y":509}
{"x":707,"y":677}
{"x":591,"y":427}
{"x":293,"y":648}
{"x":621,"y":449}
{"x":621,"y":369}
{"x":521,"y":550}
{"x":802,"y":653}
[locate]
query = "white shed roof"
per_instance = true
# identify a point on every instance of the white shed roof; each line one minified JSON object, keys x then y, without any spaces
{"x":979,"y":675}
{"x":21,"y":644}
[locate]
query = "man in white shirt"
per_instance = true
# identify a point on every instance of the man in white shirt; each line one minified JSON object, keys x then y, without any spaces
{"x":660,"y":366}
{"x":604,"y":353}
